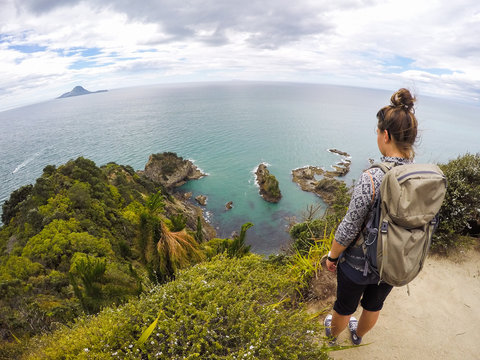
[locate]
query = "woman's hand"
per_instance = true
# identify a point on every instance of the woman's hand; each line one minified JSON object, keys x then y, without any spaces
{"x":331,"y":265}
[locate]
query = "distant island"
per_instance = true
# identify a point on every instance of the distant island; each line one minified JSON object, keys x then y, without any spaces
{"x":79,"y":90}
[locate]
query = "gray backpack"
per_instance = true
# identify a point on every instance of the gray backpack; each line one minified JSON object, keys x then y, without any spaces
{"x":399,"y":231}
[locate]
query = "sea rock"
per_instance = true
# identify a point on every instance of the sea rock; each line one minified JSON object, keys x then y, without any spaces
{"x":325,"y":187}
{"x":187,"y":195}
{"x":229,"y":205}
{"x":341,"y":168}
{"x":268,"y":184}
{"x":339,"y":152}
{"x":201,"y":199}
{"x":305,"y":177}
{"x":170,"y":170}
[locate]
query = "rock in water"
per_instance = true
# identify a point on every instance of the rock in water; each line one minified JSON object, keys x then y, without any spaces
{"x":229,"y":205}
{"x":268,"y":184}
{"x":170,"y":170}
{"x":201,"y":199}
{"x":342,"y":168}
{"x":326,"y":187}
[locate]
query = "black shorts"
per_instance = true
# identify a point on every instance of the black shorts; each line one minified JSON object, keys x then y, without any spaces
{"x":349,"y":294}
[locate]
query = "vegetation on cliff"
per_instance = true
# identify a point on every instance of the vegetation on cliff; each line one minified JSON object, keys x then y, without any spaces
{"x":82,"y":238}
{"x":227,"y":308}
{"x":460,"y":212}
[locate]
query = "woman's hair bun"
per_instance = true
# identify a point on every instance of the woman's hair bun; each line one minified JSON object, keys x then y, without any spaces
{"x":403,"y":98}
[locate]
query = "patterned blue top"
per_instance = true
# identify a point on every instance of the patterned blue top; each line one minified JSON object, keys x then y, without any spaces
{"x":364,"y":194}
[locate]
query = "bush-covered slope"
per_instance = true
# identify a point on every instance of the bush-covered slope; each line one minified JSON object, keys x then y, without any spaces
{"x":460,"y":212}
{"x":81,"y":238}
{"x":228,"y":308}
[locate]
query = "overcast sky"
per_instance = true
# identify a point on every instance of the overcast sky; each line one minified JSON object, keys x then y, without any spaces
{"x":49,"y":46}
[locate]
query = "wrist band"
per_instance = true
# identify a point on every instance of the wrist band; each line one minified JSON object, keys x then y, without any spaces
{"x":331,"y":259}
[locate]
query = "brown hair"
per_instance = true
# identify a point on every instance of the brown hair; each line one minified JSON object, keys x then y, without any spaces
{"x":399,"y":120}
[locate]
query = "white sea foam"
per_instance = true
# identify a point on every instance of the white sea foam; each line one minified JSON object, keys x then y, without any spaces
{"x":201,"y":170}
{"x":208,"y":215}
{"x":254,"y":173}
{"x":26,"y":162}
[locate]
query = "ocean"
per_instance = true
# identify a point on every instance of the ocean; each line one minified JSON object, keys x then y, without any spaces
{"x":227,"y":129}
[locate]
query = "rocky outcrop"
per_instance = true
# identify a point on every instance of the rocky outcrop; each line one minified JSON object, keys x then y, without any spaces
{"x":229,"y":205}
{"x":170,"y":170}
{"x":268,"y":184}
{"x":305,"y":177}
{"x":341,"y":168}
{"x":324,"y":187}
{"x":191,"y":213}
{"x":322,"y":182}
{"x":201,"y":199}
{"x":339,"y":152}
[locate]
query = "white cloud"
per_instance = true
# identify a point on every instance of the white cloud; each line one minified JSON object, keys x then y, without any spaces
{"x":430,"y":45}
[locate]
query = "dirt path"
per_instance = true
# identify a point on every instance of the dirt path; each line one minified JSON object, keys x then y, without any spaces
{"x":439,"y":320}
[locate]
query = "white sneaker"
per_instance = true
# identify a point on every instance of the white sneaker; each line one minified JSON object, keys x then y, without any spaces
{"x":352,"y":326}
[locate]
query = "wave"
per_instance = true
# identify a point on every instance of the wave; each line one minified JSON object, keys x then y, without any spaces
{"x":200,"y":169}
{"x":30,"y":159}
{"x":26,"y":162}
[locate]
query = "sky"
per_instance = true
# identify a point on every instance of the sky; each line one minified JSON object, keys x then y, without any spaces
{"x":49,"y":46}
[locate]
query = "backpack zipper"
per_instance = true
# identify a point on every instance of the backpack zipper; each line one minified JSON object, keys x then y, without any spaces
{"x":418,"y":172}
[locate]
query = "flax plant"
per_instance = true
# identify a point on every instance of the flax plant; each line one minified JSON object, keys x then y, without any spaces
{"x":306,"y":265}
{"x":177,"y":250}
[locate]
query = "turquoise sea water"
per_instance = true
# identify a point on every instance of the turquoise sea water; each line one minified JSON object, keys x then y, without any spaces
{"x":227,"y":129}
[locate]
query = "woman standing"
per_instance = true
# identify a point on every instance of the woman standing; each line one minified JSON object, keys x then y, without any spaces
{"x":396,"y":135}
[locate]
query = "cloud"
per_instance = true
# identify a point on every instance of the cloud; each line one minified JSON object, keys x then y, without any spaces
{"x":270,"y":23}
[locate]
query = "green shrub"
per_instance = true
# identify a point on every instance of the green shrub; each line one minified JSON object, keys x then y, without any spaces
{"x":461,"y":207}
{"x":11,"y":206}
{"x":223,"y":309}
{"x":271,"y":185}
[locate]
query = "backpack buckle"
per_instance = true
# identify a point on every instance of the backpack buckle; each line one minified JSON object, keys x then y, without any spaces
{"x":384,"y":227}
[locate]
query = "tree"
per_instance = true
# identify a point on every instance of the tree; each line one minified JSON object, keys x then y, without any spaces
{"x":178,"y":222}
{"x":176,"y":250}
{"x":199,"y":233}
{"x":238,"y":248}
{"x":90,"y":270}
{"x":10,"y":207}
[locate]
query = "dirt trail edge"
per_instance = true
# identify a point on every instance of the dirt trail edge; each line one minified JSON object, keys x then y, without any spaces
{"x":439,"y":320}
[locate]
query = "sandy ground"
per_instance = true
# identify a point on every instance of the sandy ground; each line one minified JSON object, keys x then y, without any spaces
{"x":439,"y":320}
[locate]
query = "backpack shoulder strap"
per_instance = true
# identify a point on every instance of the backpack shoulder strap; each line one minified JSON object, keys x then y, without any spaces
{"x":384,"y":166}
